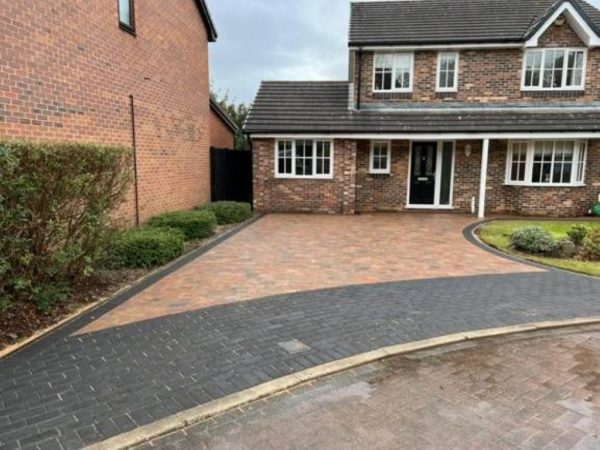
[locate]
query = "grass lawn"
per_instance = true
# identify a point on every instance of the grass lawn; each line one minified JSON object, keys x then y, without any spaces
{"x":497,"y":234}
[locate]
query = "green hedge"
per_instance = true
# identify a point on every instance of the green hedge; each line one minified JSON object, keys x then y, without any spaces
{"x":229,"y":212}
{"x":591,"y":247}
{"x":56,"y":201}
{"x":145,"y":247}
{"x":193,"y":224}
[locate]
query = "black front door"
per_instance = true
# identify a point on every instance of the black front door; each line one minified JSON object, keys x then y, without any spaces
{"x":422,"y":181}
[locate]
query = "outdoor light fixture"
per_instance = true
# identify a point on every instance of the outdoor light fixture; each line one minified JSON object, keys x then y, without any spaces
{"x":468,"y":150}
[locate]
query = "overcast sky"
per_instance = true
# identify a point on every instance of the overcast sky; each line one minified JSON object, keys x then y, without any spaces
{"x":278,"y":40}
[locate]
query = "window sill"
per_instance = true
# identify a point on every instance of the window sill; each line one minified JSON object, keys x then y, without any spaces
{"x":546,"y":185}
{"x":385,"y":174}
{"x":127,"y":29}
{"x":301,"y":178}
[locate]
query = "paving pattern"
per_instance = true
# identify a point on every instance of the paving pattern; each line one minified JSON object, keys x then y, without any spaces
{"x":507,"y":393}
{"x":76,"y":388}
{"x":282,"y":254}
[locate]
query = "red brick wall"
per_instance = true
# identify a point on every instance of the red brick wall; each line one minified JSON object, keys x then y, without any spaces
{"x":66,"y":73}
{"x":484,"y":75}
{"x":361,"y":191}
{"x":221,"y":135}
{"x":382,"y":192}
{"x":334,"y":196}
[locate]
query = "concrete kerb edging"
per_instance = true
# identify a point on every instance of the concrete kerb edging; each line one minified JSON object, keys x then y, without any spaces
{"x":131,"y":289}
{"x":230,"y":402}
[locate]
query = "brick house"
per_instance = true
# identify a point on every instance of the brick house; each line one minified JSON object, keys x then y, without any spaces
{"x":222,"y":127}
{"x":106,"y":71}
{"x":478,"y":106}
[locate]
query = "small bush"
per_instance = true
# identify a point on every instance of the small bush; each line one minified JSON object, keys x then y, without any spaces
{"x":591,"y":247}
{"x":533,"y":240}
{"x":145,"y":247}
{"x":56,"y":201}
{"x":578,"y":233}
{"x":193,"y":224}
{"x":229,"y":212}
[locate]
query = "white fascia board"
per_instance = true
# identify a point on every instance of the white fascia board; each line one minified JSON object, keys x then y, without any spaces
{"x":434,"y":136}
{"x":583,"y":30}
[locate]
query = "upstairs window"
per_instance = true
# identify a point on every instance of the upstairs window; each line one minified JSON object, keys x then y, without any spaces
{"x":380,"y":158}
{"x":126,"y":15}
{"x":304,"y":159}
{"x":554,"y":69}
{"x":447,"y":74}
{"x":546,"y":163}
{"x":393,"y":72}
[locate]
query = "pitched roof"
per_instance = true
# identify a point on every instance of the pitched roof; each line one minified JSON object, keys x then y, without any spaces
{"x":207,"y":19}
{"x":323,"y":107}
{"x":223,"y":115}
{"x":419,"y":22}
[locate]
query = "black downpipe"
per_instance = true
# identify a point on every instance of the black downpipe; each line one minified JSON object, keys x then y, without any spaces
{"x":360,"y":63}
{"x":135,"y":168}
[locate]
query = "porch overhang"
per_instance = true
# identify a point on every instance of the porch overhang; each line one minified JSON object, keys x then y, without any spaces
{"x":450,"y":136}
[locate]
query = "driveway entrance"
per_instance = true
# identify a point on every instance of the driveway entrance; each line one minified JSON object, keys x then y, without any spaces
{"x":283,"y":254}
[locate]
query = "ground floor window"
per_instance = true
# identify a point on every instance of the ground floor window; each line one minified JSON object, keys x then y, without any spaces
{"x":546,"y":163}
{"x":304,"y":159}
{"x":380,"y":159}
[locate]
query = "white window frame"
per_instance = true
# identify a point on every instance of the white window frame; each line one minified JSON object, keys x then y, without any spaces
{"x":293,"y":175}
{"x":439,"y":72}
{"x":394,"y":88}
{"x":388,"y":169}
{"x":544,"y":51}
{"x":579,"y":146}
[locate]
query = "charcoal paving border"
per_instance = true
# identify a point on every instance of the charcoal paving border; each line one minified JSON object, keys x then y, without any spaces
{"x":71,"y":391}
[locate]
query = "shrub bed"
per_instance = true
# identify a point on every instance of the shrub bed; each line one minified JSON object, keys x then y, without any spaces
{"x":534,"y":240}
{"x":591,"y":247}
{"x":193,"y":224}
{"x":145,"y":247}
{"x":229,"y":212}
{"x":55,"y":206}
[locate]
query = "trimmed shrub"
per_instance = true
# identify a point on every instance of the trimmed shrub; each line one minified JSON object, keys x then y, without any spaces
{"x":55,"y":205}
{"x":591,"y":247}
{"x":533,"y":240}
{"x":145,"y":247}
{"x":578,"y":233}
{"x":229,"y":212}
{"x":193,"y":224}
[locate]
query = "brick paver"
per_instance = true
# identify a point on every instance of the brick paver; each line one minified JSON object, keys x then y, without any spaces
{"x":282,"y":254}
{"x":508,"y":393}
{"x":75,"y":389}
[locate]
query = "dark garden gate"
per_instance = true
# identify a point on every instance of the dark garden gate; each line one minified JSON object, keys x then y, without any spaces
{"x":231,"y":175}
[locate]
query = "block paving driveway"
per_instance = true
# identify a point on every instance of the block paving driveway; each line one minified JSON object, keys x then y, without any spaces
{"x":524,"y":392}
{"x":339,"y":285}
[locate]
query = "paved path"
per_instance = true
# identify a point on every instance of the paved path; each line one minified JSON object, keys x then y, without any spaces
{"x":507,"y":393}
{"x":73,"y":389}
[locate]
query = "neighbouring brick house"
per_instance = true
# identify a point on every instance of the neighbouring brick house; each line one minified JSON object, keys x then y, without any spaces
{"x":222,"y":127}
{"x":75,"y":70}
{"x":482,"y":106}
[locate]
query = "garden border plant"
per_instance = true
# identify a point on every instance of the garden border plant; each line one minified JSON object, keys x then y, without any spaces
{"x":56,"y":201}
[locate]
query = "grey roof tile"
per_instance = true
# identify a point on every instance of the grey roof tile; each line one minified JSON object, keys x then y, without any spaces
{"x":322,"y":107}
{"x":452,"y":21}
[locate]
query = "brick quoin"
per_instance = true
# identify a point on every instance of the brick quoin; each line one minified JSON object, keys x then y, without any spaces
{"x":485,"y":76}
{"x":67,"y":71}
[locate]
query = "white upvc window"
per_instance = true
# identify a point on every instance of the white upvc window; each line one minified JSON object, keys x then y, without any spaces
{"x":380,"y":160}
{"x":554,"y":69}
{"x":546,"y":163}
{"x":303,"y":158}
{"x":447,"y":72}
{"x":393,"y":72}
